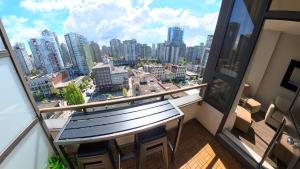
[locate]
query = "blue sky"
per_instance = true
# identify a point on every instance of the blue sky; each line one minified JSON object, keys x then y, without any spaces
{"x":101,"y":20}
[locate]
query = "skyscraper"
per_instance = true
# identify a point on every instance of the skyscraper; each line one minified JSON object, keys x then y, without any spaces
{"x":75,"y":43}
{"x":161,"y":52}
{"x":130,"y":50}
{"x":23,"y":58}
{"x":175,"y":35}
{"x":88,"y":64}
{"x":209,"y":41}
{"x":65,"y":54}
{"x":105,"y":51}
{"x":50,"y":41}
{"x":46,"y":52}
{"x":36,"y":50}
{"x":174,"y":45}
{"x":116,"y":47}
{"x":95,"y":51}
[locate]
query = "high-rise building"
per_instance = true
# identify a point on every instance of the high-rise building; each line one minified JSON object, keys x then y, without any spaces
{"x":75,"y":43}
{"x":174,"y":45}
{"x":172,"y":54}
{"x":88,"y":64}
{"x":36,"y":50}
{"x":130,"y":50}
{"x":53,"y":51}
{"x":161,"y":52}
{"x":105,"y":51}
{"x":116,"y":47}
{"x":46,"y":53}
{"x":153,"y":51}
{"x":95,"y":51}
{"x":144,"y":51}
{"x":175,"y":35}
{"x":209,"y":41}
{"x":65,"y":54}
{"x":23,"y":58}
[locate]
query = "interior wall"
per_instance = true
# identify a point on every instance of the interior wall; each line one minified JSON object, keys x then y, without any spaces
{"x":287,"y":48}
{"x":261,"y":57}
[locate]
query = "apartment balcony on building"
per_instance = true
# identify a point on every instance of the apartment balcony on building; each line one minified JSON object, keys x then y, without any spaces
{"x":243,"y":113}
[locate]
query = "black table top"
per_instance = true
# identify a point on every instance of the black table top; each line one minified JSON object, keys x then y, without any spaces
{"x":101,"y":125}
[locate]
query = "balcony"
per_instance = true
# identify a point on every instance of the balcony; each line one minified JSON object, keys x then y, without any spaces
{"x":198,"y":147}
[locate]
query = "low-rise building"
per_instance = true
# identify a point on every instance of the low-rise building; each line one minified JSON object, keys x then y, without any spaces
{"x":41,"y":84}
{"x":157,"y":70}
{"x":101,"y":73}
{"x":179,"y":71}
{"x":119,"y":77}
{"x":44,"y":83}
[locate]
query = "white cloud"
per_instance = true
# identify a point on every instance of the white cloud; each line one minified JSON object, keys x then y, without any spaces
{"x":106,"y":19}
{"x":19,"y":30}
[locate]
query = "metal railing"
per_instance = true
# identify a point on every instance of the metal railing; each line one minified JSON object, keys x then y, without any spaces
{"x":118,"y":101}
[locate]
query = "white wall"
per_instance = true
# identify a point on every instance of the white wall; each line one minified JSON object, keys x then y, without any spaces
{"x":260,"y":59}
{"x":287,"y":48}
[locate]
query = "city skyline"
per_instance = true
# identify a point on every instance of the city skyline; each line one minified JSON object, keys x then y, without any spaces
{"x":145,"y":21}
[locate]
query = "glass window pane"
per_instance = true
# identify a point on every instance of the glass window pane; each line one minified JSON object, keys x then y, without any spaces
{"x":16,"y":111}
{"x":32,"y":152}
{"x":237,"y":38}
{"x":1,"y":45}
{"x":285,"y":5}
{"x":219,"y":92}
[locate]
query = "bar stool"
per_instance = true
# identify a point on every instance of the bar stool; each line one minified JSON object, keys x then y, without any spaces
{"x":94,"y":155}
{"x":152,"y":141}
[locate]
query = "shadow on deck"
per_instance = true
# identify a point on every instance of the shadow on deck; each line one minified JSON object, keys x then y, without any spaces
{"x":197,"y":149}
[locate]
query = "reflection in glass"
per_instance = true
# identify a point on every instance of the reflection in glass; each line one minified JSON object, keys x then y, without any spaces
{"x":237,"y":38}
{"x":219,"y":91}
{"x":1,"y":45}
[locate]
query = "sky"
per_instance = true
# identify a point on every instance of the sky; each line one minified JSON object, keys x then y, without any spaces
{"x":147,"y":21}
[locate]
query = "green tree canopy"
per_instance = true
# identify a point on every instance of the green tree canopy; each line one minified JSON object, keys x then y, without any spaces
{"x":73,"y":95}
{"x":125,"y":92}
{"x":109,"y":96}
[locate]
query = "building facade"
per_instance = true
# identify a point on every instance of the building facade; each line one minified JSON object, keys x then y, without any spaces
{"x":23,"y":58}
{"x":130,"y":50}
{"x":116,"y":47}
{"x":75,"y":43}
{"x":65,"y":54}
{"x":102,"y":76}
{"x":96,"y":52}
{"x":179,"y":72}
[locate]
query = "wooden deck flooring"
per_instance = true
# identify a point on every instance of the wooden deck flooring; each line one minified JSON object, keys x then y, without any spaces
{"x":258,"y":137}
{"x":197,"y":149}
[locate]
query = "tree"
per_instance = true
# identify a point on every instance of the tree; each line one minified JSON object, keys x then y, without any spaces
{"x":109,"y":96}
{"x":44,"y":101}
{"x":55,"y":92}
{"x":73,"y":95}
{"x":125,"y":92}
{"x":182,"y":62}
{"x":35,"y":72}
{"x":38,"y":95}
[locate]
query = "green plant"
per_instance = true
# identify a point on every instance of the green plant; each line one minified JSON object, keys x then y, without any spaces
{"x":54,"y":162}
{"x":44,"y":101}
{"x":73,"y":95}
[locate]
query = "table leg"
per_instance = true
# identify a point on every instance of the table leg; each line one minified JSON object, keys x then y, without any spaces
{"x":179,"y":128}
{"x":66,"y":161}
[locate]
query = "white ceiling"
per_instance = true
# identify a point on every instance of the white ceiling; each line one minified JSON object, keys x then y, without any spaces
{"x":283,"y":26}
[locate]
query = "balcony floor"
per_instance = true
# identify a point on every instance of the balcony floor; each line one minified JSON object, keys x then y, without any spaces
{"x":197,"y":149}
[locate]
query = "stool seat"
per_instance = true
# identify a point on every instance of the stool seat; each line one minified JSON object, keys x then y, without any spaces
{"x":152,"y":141}
{"x":152,"y":134}
{"x":92,"y":149}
